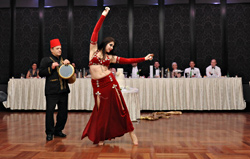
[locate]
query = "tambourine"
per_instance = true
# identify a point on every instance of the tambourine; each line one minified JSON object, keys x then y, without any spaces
{"x":67,"y":72}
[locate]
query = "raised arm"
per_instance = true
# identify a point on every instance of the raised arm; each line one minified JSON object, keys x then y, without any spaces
{"x":93,"y":41}
{"x":121,"y":60}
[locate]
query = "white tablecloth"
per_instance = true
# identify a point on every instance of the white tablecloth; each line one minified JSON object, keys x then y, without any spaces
{"x":131,"y":97}
{"x":154,"y":94}
{"x":189,"y":93}
{"x":28,"y":94}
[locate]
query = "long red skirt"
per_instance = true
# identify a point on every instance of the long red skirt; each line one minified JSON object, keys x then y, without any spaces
{"x":111,"y":118}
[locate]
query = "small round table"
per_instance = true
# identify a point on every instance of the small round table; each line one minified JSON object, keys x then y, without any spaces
{"x":131,"y":97}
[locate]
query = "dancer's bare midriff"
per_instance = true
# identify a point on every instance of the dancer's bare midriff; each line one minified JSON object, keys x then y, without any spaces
{"x":99,"y":71}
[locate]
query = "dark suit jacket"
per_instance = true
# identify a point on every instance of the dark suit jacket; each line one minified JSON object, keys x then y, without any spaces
{"x":144,"y":67}
{"x":154,"y":71}
{"x":54,"y":83}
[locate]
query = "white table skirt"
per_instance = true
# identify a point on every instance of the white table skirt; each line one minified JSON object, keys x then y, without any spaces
{"x":154,"y":94}
{"x":189,"y":93}
{"x":28,"y":94}
{"x":131,"y":97}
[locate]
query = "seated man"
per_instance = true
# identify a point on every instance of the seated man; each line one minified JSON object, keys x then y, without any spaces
{"x":192,"y":72}
{"x":135,"y":71}
{"x":213,"y":70}
{"x":144,"y":69}
{"x":157,"y":70}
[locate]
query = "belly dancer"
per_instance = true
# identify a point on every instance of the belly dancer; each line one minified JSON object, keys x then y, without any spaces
{"x":110,"y":117}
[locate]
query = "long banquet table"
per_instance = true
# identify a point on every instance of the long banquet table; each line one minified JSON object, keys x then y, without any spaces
{"x":154,"y":94}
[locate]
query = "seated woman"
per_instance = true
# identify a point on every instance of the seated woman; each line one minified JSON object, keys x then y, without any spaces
{"x":33,"y":72}
{"x":175,"y":73}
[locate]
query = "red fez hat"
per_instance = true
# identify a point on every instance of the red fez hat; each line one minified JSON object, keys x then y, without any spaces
{"x":54,"y":43}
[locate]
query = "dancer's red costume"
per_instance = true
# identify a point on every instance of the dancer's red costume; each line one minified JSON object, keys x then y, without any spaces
{"x":110,"y":118}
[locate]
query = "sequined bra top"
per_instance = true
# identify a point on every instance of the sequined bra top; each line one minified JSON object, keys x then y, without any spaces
{"x":98,"y":61}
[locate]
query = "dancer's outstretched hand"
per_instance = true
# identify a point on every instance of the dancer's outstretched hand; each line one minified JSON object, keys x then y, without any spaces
{"x":106,"y":11}
{"x":149,"y":57}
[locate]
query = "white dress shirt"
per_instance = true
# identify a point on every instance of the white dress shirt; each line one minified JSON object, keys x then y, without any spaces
{"x":213,"y":72}
{"x":157,"y":72}
{"x":195,"y":71}
{"x":134,"y":72}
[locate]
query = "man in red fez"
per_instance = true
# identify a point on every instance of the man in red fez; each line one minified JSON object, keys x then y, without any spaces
{"x":56,"y":91}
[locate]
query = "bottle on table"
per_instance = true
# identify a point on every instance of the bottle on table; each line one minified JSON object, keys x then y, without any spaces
{"x":151,"y":71}
{"x":168,"y":73}
{"x":79,"y":74}
{"x":162,"y":72}
{"x":83,"y":72}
